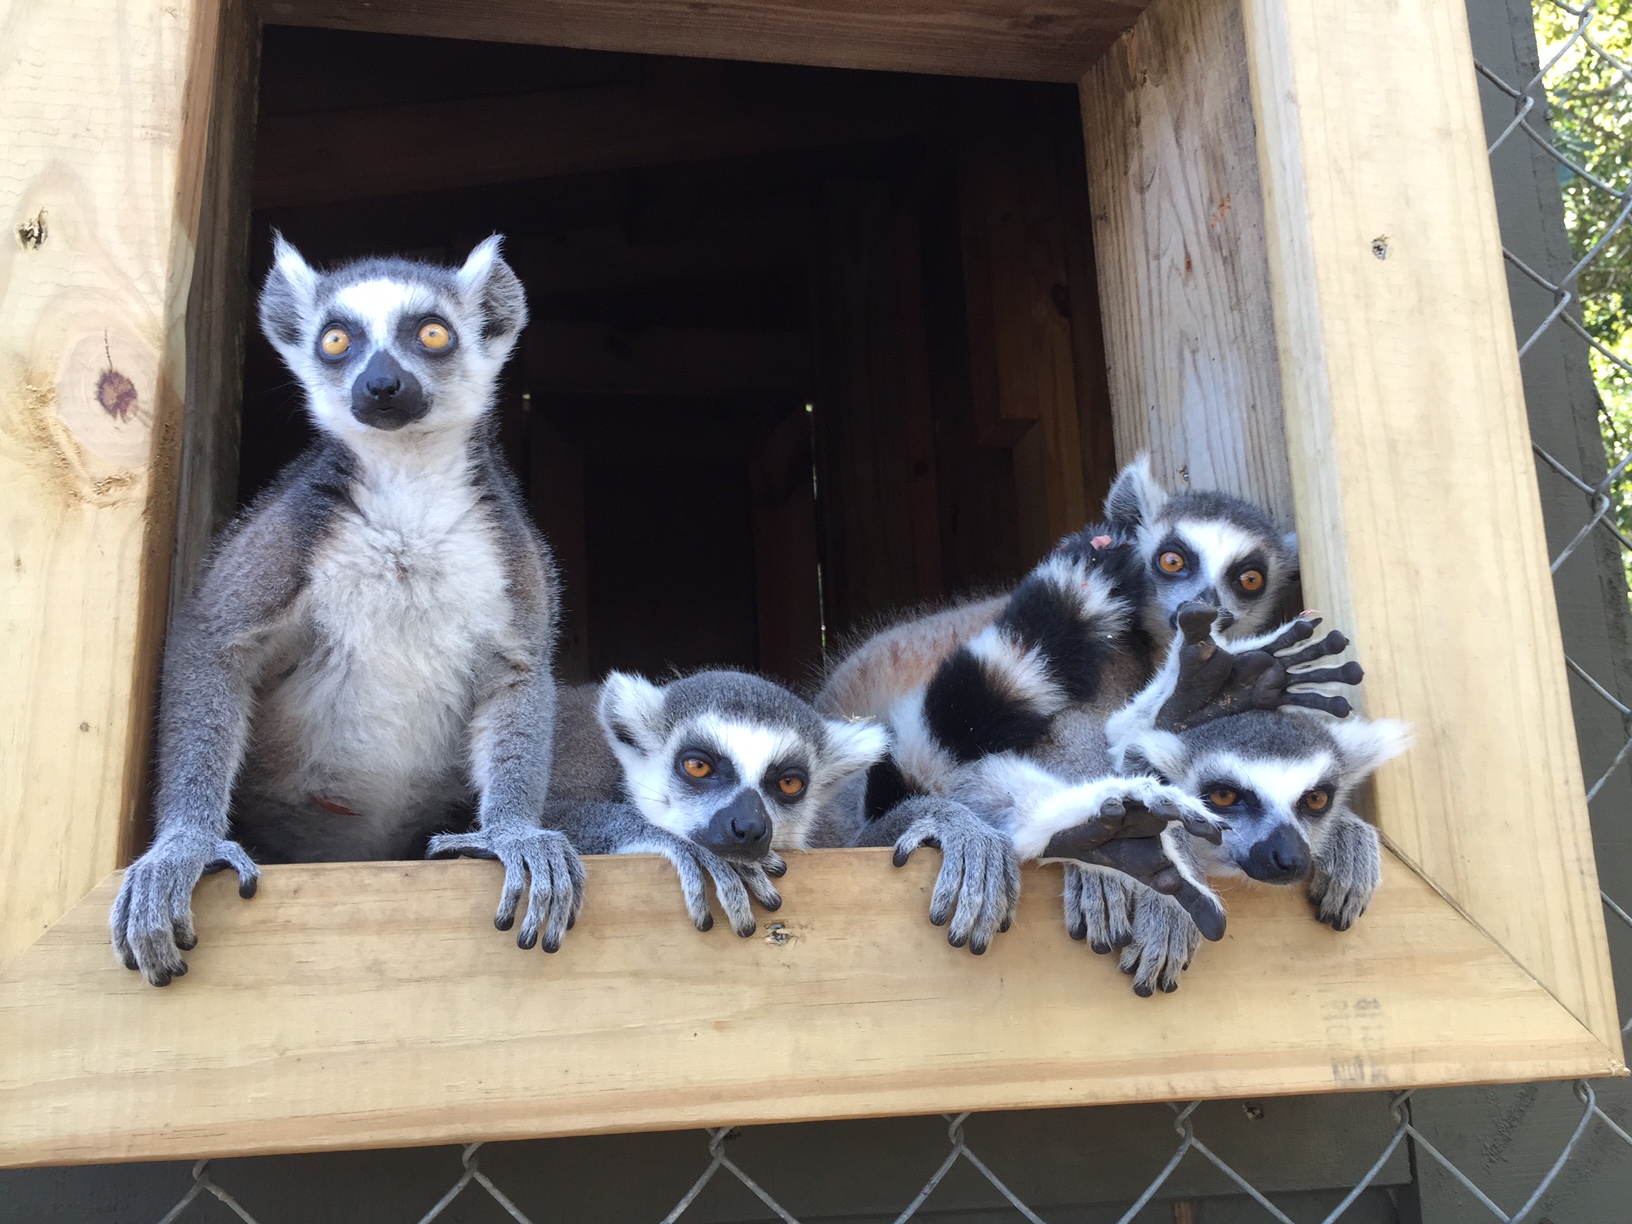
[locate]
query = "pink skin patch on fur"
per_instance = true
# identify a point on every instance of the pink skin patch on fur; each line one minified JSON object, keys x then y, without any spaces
{"x":1100,"y":542}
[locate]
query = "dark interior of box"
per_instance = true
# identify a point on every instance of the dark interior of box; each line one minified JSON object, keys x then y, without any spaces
{"x":807,"y":346}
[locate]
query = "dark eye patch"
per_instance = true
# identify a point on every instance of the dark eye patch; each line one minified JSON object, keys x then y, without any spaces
{"x":1257,"y":563}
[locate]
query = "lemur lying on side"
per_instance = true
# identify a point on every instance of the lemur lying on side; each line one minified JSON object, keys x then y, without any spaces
{"x":367,"y":660}
{"x":714,"y":771}
{"x":1071,"y":645}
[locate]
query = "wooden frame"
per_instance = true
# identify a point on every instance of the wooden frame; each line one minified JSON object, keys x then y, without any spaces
{"x":1304,"y":302}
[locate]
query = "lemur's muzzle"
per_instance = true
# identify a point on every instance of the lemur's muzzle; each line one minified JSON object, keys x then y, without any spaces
{"x":1279,"y":858}
{"x":740,"y":830}
{"x":385,"y":395}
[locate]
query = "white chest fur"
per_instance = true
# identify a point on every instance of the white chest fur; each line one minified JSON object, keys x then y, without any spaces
{"x":405,"y":603}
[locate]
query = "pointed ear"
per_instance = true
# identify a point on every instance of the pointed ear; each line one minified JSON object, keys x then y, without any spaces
{"x":487,"y":284}
{"x":1135,"y":497}
{"x":288,"y":297}
{"x":1160,"y":752}
{"x":853,"y":746}
{"x":631,"y":712}
{"x":1366,"y":745}
{"x":1289,"y":543}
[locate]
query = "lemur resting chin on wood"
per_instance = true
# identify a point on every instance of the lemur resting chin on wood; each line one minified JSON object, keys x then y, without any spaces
{"x":1039,"y":673}
{"x":365,"y":669}
{"x":714,"y":771}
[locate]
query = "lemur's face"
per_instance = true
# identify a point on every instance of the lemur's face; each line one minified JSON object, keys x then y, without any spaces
{"x":389,"y":345}
{"x":1205,"y":547}
{"x":730,"y":761}
{"x":1278,"y":778}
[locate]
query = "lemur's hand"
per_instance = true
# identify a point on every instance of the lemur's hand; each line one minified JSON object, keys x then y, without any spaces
{"x":1215,"y":682}
{"x":980,"y":871}
{"x":541,"y":860}
{"x":734,"y":881}
{"x":1125,"y":826}
{"x":1348,"y":867}
{"x":152,"y":919}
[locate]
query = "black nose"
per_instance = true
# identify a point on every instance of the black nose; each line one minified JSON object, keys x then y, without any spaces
{"x":386,"y":396}
{"x":739,"y":830}
{"x":1279,"y":858}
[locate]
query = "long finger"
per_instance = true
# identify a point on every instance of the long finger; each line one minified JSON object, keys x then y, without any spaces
{"x":118,"y":925}
{"x":733,"y":897}
{"x":561,"y":900}
{"x":249,"y":875}
{"x":693,"y":888}
{"x":1348,"y":673}
{"x":1337,"y":707}
{"x":1333,"y":643}
{"x":947,"y":882}
{"x":759,"y":884}
{"x":1298,"y":631}
{"x":539,"y":893}
{"x":510,"y":897}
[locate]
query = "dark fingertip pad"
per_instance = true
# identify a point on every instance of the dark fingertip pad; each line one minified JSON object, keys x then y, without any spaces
{"x":707,"y":924}
{"x":1003,"y":927}
{"x":747,"y":932}
{"x":215,"y":865}
{"x":185,"y":943}
{"x":901,"y":857}
{"x":979,"y":949}
{"x":551,"y":946}
{"x":1099,"y":946}
{"x":954,"y":939}
{"x":1142,"y":990}
{"x":1078,"y":933}
{"x":1204,"y":910}
{"x":246,"y":888}
{"x":773,"y":904}
{"x":777,"y":870}
{"x":1122,"y":940}
{"x":180,"y":970}
{"x":1168,"y":987}
{"x":503,"y":922}
{"x":526,"y":940}
{"x":130,"y":961}
{"x":572,"y":921}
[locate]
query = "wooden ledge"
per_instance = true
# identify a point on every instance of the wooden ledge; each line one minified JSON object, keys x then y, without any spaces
{"x":373,"y":1005}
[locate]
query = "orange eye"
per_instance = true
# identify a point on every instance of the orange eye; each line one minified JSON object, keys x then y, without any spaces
{"x":1223,"y":797}
{"x":435,"y":336}
{"x":697,"y":767}
{"x":791,"y":785}
{"x":335,"y":341}
{"x":1171,"y":562}
{"x":1316,"y":800}
{"x":1251,"y":580}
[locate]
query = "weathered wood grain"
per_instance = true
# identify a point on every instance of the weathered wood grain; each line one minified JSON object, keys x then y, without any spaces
{"x":374,"y":1005}
{"x":103,"y":107}
{"x":1179,"y":242}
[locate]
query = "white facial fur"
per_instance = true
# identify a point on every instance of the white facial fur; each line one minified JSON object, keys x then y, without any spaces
{"x":379,"y":313}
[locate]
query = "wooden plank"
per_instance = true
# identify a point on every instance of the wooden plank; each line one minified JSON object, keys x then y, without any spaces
{"x":466,"y":142}
{"x":665,"y":360}
{"x":1040,"y":40}
{"x":372,"y":1005}
{"x":1407,"y":430}
{"x":1178,"y":235}
{"x":104,"y":108}
{"x":787,"y":594}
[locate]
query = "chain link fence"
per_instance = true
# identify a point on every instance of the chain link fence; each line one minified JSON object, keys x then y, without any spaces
{"x":1577,"y":111}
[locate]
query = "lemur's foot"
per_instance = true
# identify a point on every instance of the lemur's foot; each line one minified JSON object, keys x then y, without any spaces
{"x":1215,"y":682}
{"x":980,"y":872}
{"x":1125,"y":824}
{"x":1098,"y":908}
{"x":1163,"y":943}
{"x":152,"y":919}
{"x":1348,"y":867}
{"x":540,"y":860}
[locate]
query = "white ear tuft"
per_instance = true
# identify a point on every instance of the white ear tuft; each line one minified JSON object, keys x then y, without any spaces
{"x":287,"y":297}
{"x":1163,"y":751}
{"x":293,"y":265}
{"x":480,"y":262}
{"x":1366,"y":745}
{"x":487,"y":283}
{"x":1289,"y":542}
{"x":856,"y":745}
{"x":1135,"y":497}
{"x":631,"y":712}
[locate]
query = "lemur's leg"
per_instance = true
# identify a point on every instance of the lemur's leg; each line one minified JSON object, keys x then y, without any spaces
{"x":619,"y":828}
{"x":1164,"y":943}
{"x":1135,"y":825}
{"x":1348,"y":867}
{"x":214,"y":656}
{"x":979,"y":873}
{"x":512,"y":735}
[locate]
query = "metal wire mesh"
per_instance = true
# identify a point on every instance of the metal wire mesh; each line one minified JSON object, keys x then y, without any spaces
{"x":1583,"y":80}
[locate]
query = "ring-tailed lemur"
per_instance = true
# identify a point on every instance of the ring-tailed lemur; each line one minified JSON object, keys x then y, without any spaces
{"x":1075,"y":641}
{"x":714,"y":771}
{"x":367,"y":661}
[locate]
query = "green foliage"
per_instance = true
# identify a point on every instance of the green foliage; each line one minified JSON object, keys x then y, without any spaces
{"x":1590,"y":94}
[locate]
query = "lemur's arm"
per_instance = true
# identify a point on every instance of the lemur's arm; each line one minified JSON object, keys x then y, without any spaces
{"x":618,"y":828}
{"x":213,"y":659}
{"x":512,"y":734}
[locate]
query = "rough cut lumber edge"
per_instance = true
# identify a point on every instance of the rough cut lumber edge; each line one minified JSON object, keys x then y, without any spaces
{"x":104,"y":109}
{"x":371,"y":1005}
{"x":1179,"y":238}
{"x":1412,"y":473}
{"x":991,"y":38}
